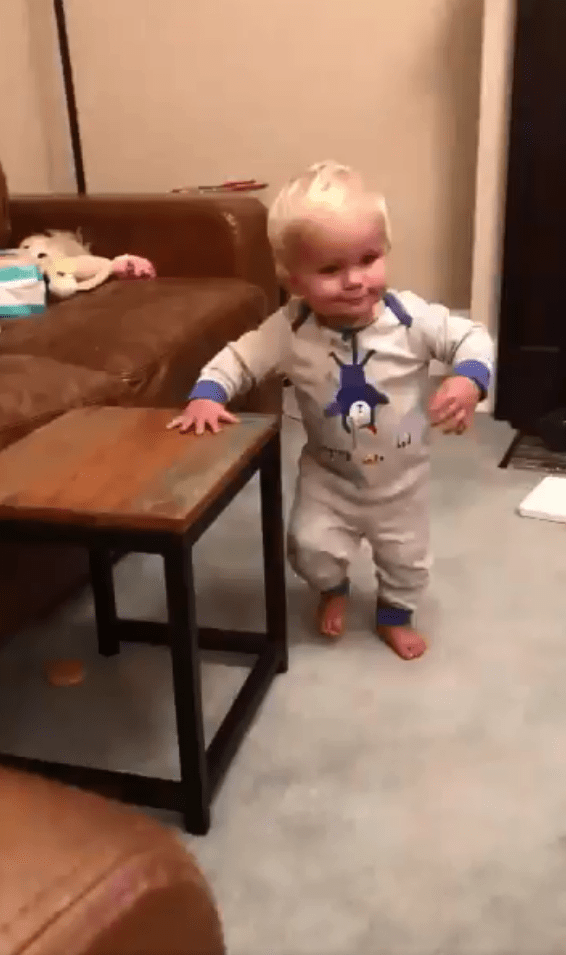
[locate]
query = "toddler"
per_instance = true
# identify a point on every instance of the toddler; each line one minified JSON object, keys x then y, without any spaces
{"x":358,"y":355}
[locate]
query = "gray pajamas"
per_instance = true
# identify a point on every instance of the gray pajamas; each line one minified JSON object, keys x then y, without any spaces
{"x":331,"y":517}
{"x":364,"y":470}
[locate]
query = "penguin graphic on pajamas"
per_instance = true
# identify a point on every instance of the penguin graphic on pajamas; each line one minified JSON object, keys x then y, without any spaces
{"x":356,"y":401}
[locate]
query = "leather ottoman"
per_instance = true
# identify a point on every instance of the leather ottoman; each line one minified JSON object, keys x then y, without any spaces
{"x":81,"y":875}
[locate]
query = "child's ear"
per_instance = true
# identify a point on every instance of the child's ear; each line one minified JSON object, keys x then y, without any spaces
{"x":285,"y":279}
{"x":292,"y":284}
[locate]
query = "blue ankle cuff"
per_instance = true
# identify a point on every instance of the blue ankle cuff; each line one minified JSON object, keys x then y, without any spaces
{"x":341,"y":590}
{"x":393,"y":616}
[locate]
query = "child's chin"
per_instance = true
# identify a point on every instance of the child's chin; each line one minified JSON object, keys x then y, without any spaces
{"x":359,"y":311}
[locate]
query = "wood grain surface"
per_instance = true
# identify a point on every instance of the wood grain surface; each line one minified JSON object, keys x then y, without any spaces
{"x":121,"y":468}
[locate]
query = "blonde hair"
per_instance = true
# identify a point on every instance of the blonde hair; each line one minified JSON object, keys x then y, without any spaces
{"x":325,"y":189}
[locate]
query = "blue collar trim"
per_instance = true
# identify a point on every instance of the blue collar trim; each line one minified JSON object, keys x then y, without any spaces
{"x":398,"y":309}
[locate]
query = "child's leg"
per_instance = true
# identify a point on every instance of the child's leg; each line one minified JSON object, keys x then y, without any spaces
{"x":399,"y":535}
{"x":321,"y":545}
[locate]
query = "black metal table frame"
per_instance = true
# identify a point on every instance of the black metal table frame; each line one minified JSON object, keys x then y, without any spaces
{"x":201,"y":769}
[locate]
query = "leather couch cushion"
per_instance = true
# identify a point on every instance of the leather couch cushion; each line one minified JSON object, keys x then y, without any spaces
{"x":132,"y":330}
{"x":34,"y":390}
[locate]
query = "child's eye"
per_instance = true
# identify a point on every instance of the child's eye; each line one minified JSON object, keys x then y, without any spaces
{"x":329,"y":270}
{"x":370,"y":258}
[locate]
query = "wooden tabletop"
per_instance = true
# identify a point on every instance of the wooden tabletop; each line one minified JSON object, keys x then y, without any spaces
{"x":121,"y":468}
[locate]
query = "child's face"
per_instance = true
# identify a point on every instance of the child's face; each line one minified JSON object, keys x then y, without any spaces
{"x":339,"y":268}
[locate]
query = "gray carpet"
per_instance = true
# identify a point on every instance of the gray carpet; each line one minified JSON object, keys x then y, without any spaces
{"x":377,"y":807}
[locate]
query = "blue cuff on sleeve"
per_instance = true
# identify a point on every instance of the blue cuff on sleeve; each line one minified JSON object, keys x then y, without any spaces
{"x":210,"y":390}
{"x":477,"y":371}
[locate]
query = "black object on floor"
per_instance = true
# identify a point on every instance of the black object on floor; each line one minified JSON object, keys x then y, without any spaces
{"x":529,"y":453}
{"x":552,"y":429}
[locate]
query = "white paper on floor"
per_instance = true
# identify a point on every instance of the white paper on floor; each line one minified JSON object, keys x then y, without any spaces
{"x":547,"y":502}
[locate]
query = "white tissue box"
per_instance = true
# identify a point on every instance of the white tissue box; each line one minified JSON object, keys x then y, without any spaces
{"x":22,"y":286}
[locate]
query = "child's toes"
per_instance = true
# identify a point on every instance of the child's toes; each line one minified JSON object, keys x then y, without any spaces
{"x":404,"y":641}
{"x":331,"y":614}
{"x":414,"y":647}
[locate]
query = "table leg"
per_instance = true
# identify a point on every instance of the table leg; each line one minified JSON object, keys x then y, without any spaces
{"x":274,"y":550}
{"x":183,"y":634}
{"x":102,"y":582}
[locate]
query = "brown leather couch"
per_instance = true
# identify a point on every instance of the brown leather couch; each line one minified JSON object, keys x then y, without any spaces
{"x":127,"y":342}
{"x":80,"y":875}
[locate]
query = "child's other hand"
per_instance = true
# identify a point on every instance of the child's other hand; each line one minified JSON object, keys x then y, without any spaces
{"x":201,"y":414}
{"x":452,"y":407}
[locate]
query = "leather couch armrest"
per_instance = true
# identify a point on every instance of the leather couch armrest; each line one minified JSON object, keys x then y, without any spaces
{"x":185,"y":236}
{"x":82,"y":875}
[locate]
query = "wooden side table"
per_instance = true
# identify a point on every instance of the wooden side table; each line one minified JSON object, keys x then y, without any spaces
{"x":115,"y":480}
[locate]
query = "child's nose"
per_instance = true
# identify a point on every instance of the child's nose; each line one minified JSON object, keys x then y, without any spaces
{"x":353,"y":277}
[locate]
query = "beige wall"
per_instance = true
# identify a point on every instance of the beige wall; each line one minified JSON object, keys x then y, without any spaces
{"x":192,"y":92}
{"x":22,"y":140}
{"x":34,"y":140}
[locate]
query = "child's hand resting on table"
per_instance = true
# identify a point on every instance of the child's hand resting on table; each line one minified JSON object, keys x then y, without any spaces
{"x":201,"y":414}
{"x":453,"y":405}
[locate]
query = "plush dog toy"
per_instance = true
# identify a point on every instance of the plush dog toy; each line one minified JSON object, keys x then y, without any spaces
{"x":79,"y":273}
{"x":69,"y":267}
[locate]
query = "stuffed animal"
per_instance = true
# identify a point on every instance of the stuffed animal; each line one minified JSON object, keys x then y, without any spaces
{"x":79,"y":273}
{"x":132,"y":267}
{"x":69,"y":267}
{"x":48,"y":245}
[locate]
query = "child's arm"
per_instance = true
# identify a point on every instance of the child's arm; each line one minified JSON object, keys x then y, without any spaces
{"x":464,"y":345}
{"x":235,"y":369}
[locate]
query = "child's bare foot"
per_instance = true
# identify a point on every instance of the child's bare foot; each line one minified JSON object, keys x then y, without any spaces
{"x":404,"y":640}
{"x":331,"y":614}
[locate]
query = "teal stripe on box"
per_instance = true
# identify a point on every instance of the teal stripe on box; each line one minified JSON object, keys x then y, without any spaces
{"x":20,"y":311}
{"x":16,"y":273}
